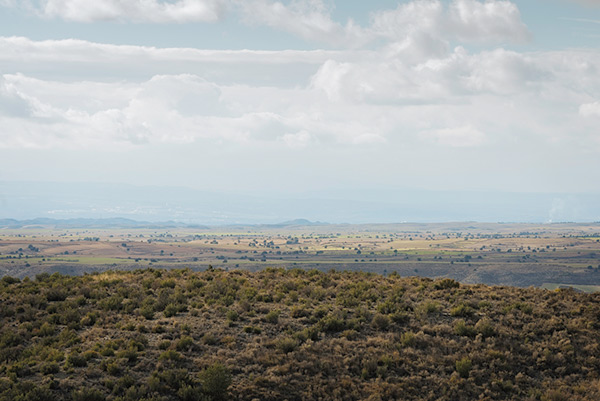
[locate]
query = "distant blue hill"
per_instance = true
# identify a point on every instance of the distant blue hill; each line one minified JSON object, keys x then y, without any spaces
{"x":179,"y":205}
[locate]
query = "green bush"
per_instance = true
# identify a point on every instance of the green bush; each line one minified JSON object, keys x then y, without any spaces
{"x":272,"y":316}
{"x":216,"y":380}
{"x":87,"y":394}
{"x":232,"y":315}
{"x":463,"y":367}
{"x":76,"y":360}
{"x":171,"y":310}
{"x":252,"y":330}
{"x":147,"y":312}
{"x":485,"y":328}
{"x":380,"y":322}
{"x":287,"y":345}
{"x":408,"y":339}
{"x":170,"y":355}
{"x":445,"y":284}
{"x":184,"y":343}
{"x":332,"y":324}
{"x":191,"y":393}
{"x":462,"y":310}
{"x":463,"y":329}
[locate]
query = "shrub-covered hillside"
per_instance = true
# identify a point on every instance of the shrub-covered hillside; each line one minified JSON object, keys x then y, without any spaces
{"x":295,"y":335}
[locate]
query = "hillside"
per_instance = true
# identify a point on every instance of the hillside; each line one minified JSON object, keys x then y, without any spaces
{"x":296,"y":335}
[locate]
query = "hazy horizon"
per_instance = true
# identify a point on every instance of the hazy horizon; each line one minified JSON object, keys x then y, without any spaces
{"x":29,"y":200}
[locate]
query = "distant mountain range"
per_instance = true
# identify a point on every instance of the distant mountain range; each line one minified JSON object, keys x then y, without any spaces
{"x":171,"y":206}
{"x":112,"y":223}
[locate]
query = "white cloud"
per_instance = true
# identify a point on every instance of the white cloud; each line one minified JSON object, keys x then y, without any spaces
{"x":590,"y":109}
{"x":424,"y":26}
{"x":299,"y":140}
{"x":308,"y":19}
{"x":490,"y":21}
{"x":82,"y":98}
{"x":12,"y":103}
{"x":156,"y":11}
{"x":419,"y":24}
{"x":72,"y":59}
{"x":466,"y":136}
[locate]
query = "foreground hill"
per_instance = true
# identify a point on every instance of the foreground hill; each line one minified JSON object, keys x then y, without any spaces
{"x":295,"y":335}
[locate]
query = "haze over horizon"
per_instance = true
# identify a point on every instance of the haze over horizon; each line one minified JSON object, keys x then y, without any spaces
{"x":260,"y":111}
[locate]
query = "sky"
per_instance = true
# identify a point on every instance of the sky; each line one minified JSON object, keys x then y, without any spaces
{"x":301,"y":97}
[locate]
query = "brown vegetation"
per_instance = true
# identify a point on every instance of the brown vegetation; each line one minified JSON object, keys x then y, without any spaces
{"x":296,"y":335}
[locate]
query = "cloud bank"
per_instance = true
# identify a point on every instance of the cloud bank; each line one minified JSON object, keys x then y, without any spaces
{"x":427,"y":83}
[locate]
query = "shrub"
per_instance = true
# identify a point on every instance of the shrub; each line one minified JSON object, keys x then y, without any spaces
{"x":462,"y":310}
{"x":190,"y":393}
{"x":445,"y":284}
{"x":147,"y":312}
{"x":112,"y":303}
{"x":232,"y":315}
{"x":408,"y":339}
{"x":463,"y":367}
{"x":299,"y":311}
{"x":50,"y":368}
{"x":131,"y":354}
{"x":87,"y":394}
{"x":10,"y":280}
{"x":380,"y":322}
{"x":216,"y":380}
{"x":56,"y":294}
{"x":38,"y":394}
{"x":400,"y":317}
{"x":184,"y":343}
{"x":555,"y":395}
{"x":171,"y":310}
{"x":463,"y":329}
{"x":485,"y":328}
{"x":332,"y":324}
{"x":76,"y":360}
{"x":113,"y":368}
{"x":287,"y":345}
{"x":210,"y":339}
{"x":272,"y":316}
{"x":252,"y":330}
{"x":46,"y":330}
{"x":170,"y":355}
{"x":428,"y":308}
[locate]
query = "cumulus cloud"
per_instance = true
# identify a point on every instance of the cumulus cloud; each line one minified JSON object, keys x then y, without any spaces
{"x":490,"y":21}
{"x":423,"y":26}
{"x":155,"y":11}
{"x":378,"y":81}
{"x":88,"y":95}
{"x":417,"y":24}
{"x":308,"y":19}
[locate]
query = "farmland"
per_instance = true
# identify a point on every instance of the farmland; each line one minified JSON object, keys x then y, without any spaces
{"x":500,"y":254}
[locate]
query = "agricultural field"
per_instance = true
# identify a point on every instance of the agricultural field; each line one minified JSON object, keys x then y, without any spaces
{"x":501,"y":254}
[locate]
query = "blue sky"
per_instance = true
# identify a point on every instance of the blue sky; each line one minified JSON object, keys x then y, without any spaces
{"x":297,"y":97}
